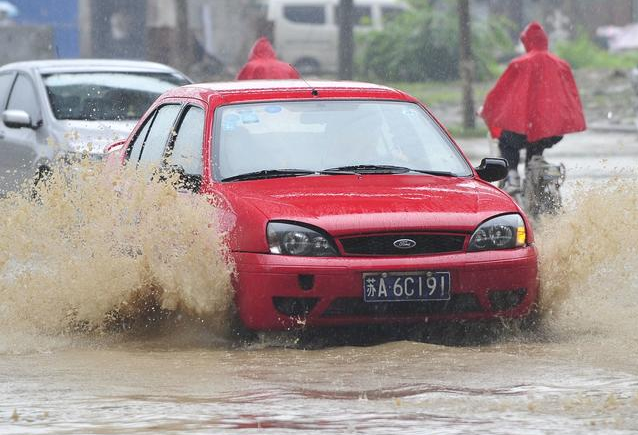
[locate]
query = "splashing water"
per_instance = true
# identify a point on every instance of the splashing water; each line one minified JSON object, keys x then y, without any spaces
{"x":97,"y":248}
{"x":589,"y":262}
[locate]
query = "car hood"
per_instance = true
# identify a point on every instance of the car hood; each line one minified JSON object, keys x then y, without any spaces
{"x":93,"y":136}
{"x":347,"y":204}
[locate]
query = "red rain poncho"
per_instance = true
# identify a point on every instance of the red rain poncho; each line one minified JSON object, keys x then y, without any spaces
{"x":263,"y":64}
{"x":536,"y":95}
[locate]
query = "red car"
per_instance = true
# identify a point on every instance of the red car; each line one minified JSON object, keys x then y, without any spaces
{"x":345,"y":203}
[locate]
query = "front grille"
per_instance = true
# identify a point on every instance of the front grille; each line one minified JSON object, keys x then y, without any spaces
{"x":385,"y":244}
{"x":458,"y":303}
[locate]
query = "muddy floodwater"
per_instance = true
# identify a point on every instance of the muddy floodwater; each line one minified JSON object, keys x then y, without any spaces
{"x":574,"y":386}
{"x":569,"y":386}
{"x":81,"y":352}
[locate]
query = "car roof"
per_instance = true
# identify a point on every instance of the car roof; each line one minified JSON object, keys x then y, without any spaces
{"x":259,"y":88}
{"x":78,"y":65}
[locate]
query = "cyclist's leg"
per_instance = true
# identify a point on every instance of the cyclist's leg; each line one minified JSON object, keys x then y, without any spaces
{"x":537,"y":148}
{"x":544,"y":196}
{"x":510,"y":145}
{"x":533,"y":150}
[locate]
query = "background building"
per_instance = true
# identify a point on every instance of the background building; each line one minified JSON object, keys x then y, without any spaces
{"x":212,"y":37}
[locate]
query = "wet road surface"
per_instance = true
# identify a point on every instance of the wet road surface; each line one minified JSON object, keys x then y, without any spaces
{"x":568,"y":386}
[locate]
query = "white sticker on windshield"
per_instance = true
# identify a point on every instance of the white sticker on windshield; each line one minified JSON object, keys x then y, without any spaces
{"x":409,"y":112}
{"x":230,"y":122}
{"x":249,"y":117}
{"x":272,"y":109}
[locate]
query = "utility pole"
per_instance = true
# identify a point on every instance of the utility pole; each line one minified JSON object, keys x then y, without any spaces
{"x":182,"y":44}
{"x":466,"y":64}
{"x":346,"y":39}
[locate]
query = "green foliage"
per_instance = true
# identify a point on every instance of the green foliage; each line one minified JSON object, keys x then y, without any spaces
{"x":582,"y":52}
{"x":423,"y":44}
{"x":438,"y":95}
{"x":491,"y":44}
{"x":457,"y":131}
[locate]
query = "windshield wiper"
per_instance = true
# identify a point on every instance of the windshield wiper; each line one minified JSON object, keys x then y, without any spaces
{"x":269,"y":173}
{"x":342,"y":170}
{"x":372,"y":169}
{"x":279,"y":173}
{"x":386,"y":169}
{"x":441,"y":173}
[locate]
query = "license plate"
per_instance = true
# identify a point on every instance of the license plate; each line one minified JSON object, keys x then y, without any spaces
{"x":406,"y":286}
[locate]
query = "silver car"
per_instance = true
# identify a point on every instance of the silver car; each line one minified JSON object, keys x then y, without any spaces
{"x":61,"y":109}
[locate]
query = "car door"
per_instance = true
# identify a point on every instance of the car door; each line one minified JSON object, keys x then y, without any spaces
{"x":6,"y":81}
{"x":20,"y":145}
{"x":149,"y":150}
{"x":184,"y":153}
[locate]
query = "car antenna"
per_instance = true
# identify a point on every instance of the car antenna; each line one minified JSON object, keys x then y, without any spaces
{"x":313,"y":91}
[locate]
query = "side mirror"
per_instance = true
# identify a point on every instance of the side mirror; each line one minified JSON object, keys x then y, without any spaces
{"x":492,"y":169}
{"x":17,"y":119}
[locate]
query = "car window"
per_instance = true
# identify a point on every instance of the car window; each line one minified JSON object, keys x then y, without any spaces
{"x":187,"y":148}
{"x":23,"y":97}
{"x":305,"y":14}
{"x":327,"y":134}
{"x":106,"y":96}
{"x":6,"y":80}
{"x":136,"y":149}
{"x":153,"y":148}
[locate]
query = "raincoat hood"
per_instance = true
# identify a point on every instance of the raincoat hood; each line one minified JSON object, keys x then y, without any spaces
{"x":534,"y":37}
{"x":264,"y":65}
{"x":262,"y":50}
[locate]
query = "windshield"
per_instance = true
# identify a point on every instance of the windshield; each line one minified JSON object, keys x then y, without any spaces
{"x":106,"y":96}
{"x":319,"y":135}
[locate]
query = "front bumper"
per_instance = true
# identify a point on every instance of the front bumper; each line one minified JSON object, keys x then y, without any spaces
{"x":275,"y":292}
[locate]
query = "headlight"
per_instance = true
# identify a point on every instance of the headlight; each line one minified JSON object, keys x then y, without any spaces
{"x":503,"y":232}
{"x":290,"y":239}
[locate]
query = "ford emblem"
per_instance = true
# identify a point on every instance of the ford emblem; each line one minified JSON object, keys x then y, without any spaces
{"x":404,"y":243}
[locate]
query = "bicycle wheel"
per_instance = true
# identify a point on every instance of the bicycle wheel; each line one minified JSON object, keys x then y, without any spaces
{"x":550,"y":201}
{"x":529,"y":197}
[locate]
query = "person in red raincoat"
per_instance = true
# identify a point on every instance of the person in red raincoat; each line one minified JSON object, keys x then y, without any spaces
{"x":263,"y":64}
{"x":533,"y":104}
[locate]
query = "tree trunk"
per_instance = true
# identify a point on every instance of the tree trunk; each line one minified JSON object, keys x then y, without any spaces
{"x":466,"y":63}
{"x":346,"y":39}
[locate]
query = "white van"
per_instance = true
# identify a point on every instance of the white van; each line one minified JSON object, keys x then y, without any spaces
{"x":306,"y":32}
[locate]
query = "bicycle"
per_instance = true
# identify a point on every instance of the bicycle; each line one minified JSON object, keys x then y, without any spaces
{"x":539,"y":193}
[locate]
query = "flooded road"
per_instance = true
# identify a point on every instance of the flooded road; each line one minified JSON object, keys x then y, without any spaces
{"x":66,"y":369}
{"x":569,"y":386}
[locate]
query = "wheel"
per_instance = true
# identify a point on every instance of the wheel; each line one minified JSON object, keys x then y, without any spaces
{"x":529,"y":200}
{"x":549,"y":199}
{"x":238,"y":333}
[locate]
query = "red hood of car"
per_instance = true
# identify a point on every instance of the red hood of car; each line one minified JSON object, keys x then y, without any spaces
{"x":348,"y":204}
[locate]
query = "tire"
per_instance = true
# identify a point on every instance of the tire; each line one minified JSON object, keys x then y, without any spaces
{"x":239,"y":334}
{"x":531,"y":322}
{"x":550,"y":199}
